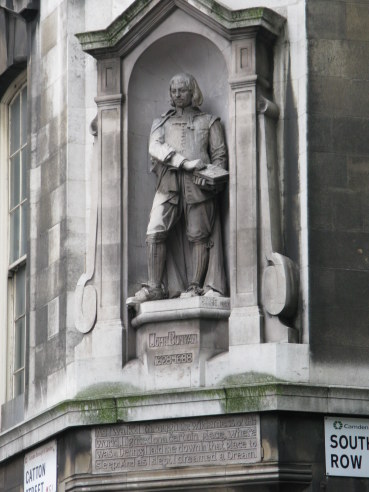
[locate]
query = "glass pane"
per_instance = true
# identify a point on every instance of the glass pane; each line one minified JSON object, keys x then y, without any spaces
{"x":15,"y":125}
{"x":24,"y":173}
{"x":18,"y":383}
{"x":24,"y":115}
{"x":19,"y":344}
{"x":14,"y":235}
{"x":20,"y":292}
{"x":23,"y":245}
{"x":14,"y":180}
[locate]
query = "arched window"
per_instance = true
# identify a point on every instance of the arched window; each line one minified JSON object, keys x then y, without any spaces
{"x":13,"y":228}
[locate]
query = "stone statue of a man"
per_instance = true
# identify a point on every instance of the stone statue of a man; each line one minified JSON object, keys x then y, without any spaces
{"x":183,"y":141}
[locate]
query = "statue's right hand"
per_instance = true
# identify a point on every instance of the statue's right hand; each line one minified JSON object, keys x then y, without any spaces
{"x":192,"y":165}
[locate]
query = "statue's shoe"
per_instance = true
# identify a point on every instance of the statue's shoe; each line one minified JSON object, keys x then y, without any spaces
{"x":192,"y":291}
{"x":145,"y":294}
{"x":212,"y":293}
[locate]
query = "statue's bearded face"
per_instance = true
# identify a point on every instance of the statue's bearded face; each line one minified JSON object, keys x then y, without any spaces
{"x":181,"y":94}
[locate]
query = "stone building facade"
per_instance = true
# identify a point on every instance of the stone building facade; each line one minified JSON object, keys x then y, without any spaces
{"x":249,"y":391}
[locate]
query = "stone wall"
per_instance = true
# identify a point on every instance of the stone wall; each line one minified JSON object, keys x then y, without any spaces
{"x":57,"y":180}
{"x":338,"y":181}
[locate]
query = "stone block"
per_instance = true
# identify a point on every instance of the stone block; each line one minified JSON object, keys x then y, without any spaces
{"x":347,"y":207}
{"x":56,"y":387}
{"x":54,"y":244}
{"x":53,"y":172}
{"x":76,"y":204}
{"x":326,"y":19}
{"x":49,"y":31}
{"x":331,"y":58}
{"x":329,"y":95}
{"x":357,"y":295}
{"x":76,"y":161}
{"x":320,"y":133}
{"x":323,"y":282}
{"x":332,"y":325}
{"x":358,"y":174}
{"x":338,"y":365}
{"x":284,"y":361}
{"x":339,"y":250}
{"x":97,"y":346}
{"x":12,"y":412}
{"x":53,"y":318}
{"x":55,"y":354}
{"x":349,"y":135}
{"x":357,"y":21}
{"x":42,"y":251}
{"x":365,"y":207}
{"x":246,"y":326}
{"x":330,"y":170}
{"x":34,"y":176}
{"x":321,"y":213}
{"x":42,"y":144}
{"x":41,"y":325}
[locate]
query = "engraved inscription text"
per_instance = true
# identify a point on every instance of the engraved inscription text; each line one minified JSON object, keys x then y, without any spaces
{"x":172,"y":339}
{"x":159,"y":445}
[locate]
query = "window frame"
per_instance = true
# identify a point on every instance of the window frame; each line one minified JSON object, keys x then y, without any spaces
{"x":7,"y":290}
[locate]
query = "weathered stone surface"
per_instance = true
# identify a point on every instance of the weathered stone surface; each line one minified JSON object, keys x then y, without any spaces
{"x":338,"y":128}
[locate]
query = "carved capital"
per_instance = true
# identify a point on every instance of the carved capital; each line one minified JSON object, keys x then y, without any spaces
{"x":267,"y":107}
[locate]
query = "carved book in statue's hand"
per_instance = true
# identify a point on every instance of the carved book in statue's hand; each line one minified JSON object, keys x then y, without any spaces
{"x":212,"y":174}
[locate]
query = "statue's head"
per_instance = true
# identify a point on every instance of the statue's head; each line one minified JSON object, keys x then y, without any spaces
{"x":185,"y":91}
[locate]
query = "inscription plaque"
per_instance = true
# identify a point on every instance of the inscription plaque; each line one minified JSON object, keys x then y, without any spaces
{"x":177,"y":347}
{"x":187,"y":442}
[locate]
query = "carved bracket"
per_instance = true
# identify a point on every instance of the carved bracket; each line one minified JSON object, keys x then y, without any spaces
{"x":280,"y":278}
{"x":280,"y":286}
{"x":85,"y":296}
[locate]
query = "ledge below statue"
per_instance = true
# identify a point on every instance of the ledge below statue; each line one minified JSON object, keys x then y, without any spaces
{"x":176,"y":309}
{"x":176,"y":337}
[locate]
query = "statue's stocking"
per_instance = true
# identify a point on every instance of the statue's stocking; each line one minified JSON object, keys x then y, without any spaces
{"x":200,"y":258}
{"x":156,"y":253}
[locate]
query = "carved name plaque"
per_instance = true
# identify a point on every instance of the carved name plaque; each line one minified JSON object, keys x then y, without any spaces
{"x":181,"y":343}
{"x":174,"y":443}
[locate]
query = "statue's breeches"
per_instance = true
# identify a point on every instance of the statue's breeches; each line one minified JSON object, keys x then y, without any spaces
{"x":199,"y":218}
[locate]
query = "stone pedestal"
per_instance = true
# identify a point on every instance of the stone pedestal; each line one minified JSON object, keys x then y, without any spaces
{"x":176,"y":337}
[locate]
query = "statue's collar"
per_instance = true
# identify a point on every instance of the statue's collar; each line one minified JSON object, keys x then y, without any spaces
{"x":190,"y":111}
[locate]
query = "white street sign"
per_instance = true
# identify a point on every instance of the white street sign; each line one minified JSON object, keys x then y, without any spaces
{"x":40,"y":469}
{"x":346,"y":447}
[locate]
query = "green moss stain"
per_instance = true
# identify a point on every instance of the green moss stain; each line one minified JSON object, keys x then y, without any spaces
{"x":107,"y":390}
{"x":251,"y":398}
{"x":93,"y":411}
{"x":108,"y":38}
{"x":249,"y":378}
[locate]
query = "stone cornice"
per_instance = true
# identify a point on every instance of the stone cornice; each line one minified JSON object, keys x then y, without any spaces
{"x":144,"y":15}
{"x":258,"y":397}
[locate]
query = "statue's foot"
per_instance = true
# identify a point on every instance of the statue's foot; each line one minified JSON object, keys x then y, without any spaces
{"x":146,"y":293}
{"x":212,"y":293}
{"x":192,"y":291}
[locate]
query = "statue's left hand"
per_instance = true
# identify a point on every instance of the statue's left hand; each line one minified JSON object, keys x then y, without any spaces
{"x":200,"y":182}
{"x":205,"y":185}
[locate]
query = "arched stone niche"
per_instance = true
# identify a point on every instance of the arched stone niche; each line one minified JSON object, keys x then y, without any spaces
{"x":147,"y":98}
{"x":231,"y":55}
